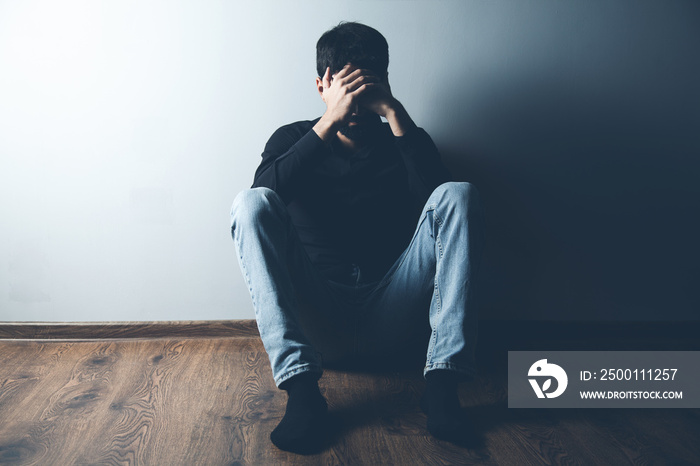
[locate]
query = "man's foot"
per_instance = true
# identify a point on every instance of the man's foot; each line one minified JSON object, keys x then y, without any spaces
{"x":440,"y":403}
{"x":302,"y":429}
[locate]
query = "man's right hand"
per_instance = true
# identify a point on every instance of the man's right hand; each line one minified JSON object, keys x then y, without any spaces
{"x":341,"y":93}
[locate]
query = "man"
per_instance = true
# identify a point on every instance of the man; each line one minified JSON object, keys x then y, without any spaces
{"x":328,"y":244}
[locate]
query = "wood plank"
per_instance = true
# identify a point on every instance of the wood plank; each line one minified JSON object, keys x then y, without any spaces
{"x":183,"y":401}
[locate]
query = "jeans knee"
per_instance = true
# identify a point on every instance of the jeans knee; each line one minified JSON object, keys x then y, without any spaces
{"x":456,"y":193}
{"x":251,"y":206}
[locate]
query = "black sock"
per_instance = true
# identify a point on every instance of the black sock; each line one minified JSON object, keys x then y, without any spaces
{"x":440,"y":402}
{"x":301,"y":430}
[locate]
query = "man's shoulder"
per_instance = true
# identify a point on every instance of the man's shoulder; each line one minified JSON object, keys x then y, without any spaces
{"x":297,"y":128}
{"x":287,"y":135}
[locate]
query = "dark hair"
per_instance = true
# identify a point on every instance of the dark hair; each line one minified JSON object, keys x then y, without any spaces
{"x":355,"y":43}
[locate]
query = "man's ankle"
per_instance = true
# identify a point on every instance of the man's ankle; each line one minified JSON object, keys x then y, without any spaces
{"x":443,"y":378}
{"x":302,"y":429}
{"x":304,"y":381}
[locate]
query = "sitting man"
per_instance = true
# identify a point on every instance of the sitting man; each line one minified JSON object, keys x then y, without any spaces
{"x":354,"y":244}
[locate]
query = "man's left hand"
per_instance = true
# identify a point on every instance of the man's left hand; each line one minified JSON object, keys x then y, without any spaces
{"x":379,"y":100}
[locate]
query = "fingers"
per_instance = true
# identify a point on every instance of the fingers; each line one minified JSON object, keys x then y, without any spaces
{"x":346,"y":89}
{"x":327,"y":78}
{"x":360,"y":81}
{"x":345,"y":76}
{"x":353,"y":77}
{"x":357,"y":78}
{"x":366,"y":87}
{"x":344,"y":71}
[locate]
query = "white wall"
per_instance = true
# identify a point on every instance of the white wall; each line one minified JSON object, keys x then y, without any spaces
{"x":127,"y":128}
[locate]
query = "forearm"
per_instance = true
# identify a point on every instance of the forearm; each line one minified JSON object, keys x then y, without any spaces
{"x":286,"y":170}
{"x":421,"y":157}
{"x":398,"y":118}
{"x":326,"y":128}
{"x":423,"y":163}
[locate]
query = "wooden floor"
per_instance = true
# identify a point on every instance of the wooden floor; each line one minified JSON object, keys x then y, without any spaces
{"x":211,"y":401}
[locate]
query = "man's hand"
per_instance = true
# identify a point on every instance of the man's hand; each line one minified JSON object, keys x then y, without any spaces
{"x":341,"y":93}
{"x":378,"y":99}
{"x":351,"y":88}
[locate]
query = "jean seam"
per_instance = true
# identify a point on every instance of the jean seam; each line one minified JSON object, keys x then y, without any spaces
{"x":245,"y":271}
{"x":433,"y":334}
{"x":449,"y":366}
{"x":440,"y":223}
{"x":385,"y":281}
{"x":436,"y":292}
{"x":297,"y":370}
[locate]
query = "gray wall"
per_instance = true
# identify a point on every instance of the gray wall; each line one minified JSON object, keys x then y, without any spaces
{"x":126,"y":129}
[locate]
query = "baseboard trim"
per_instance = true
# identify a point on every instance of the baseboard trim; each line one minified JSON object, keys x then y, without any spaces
{"x":127,"y":330}
{"x":513,"y":334}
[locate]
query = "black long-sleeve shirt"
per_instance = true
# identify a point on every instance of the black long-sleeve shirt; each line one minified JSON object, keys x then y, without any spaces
{"x":356,"y":209}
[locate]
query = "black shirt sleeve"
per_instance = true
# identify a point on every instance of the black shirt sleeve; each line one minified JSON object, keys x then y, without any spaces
{"x":288,"y":159}
{"x":424,"y":168}
{"x":294,"y":150}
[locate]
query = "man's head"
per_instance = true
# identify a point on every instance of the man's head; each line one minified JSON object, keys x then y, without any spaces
{"x":354,"y":43}
{"x":362,"y":47}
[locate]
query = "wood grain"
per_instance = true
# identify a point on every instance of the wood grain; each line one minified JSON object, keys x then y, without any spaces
{"x":212,"y":401}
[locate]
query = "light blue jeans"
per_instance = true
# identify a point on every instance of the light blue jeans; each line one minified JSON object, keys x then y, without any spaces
{"x":428,"y":294}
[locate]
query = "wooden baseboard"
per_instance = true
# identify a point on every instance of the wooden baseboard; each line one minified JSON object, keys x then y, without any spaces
{"x":513,"y":335}
{"x":127,"y":330}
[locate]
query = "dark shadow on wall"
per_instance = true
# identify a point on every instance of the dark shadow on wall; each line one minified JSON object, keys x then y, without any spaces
{"x":592,"y":199}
